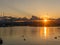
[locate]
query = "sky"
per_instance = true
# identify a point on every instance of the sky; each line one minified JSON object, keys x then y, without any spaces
{"x":27,"y":8}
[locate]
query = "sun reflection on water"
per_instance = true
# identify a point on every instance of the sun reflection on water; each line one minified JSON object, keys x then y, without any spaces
{"x":44,"y":33}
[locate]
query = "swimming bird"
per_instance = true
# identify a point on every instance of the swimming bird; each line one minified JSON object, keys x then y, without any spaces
{"x":24,"y":39}
{"x":1,"y":41}
{"x":55,"y":37}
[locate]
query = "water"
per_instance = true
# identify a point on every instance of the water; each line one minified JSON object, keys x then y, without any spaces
{"x":24,"y":35}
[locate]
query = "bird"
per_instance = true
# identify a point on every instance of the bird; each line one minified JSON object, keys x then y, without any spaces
{"x":22,"y":35}
{"x":1,"y":41}
{"x":24,"y":39}
{"x":55,"y":37}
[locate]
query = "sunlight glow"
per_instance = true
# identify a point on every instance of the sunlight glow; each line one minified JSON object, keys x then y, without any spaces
{"x":45,"y":20}
{"x":45,"y":31}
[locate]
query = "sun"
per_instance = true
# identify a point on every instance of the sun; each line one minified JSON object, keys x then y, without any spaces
{"x":45,"y":20}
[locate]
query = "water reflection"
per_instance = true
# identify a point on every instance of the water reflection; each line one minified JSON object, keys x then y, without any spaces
{"x":30,"y":35}
{"x":45,"y":29}
{"x":44,"y":32}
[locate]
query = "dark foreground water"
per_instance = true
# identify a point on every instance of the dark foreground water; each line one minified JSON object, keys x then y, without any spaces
{"x":30,"y":35}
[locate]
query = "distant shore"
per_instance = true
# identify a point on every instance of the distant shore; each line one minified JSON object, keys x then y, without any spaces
{"x":7,"y":21}
{"x":33,"y":24}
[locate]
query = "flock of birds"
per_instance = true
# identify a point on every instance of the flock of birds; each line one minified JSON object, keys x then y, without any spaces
{"x":24,"y":38}
{"x":1,"y":41}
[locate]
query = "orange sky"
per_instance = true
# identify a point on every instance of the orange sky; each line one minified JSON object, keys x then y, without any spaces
{"x":40,"y":8}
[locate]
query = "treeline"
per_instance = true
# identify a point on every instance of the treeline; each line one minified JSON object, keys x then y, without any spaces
{"x":51,"y":23}
{"x":33,"y":21}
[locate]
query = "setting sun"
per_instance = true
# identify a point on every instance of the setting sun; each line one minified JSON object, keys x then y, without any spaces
{"x":45,"y":20}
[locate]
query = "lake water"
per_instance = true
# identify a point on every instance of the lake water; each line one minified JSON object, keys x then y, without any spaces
{"x":24,"y":35}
